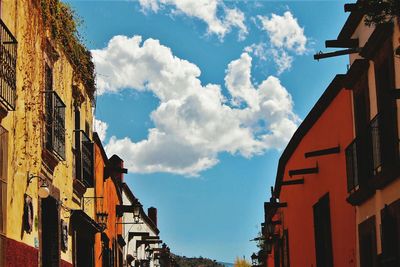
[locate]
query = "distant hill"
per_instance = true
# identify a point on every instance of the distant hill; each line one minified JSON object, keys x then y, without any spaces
{"x":226,"y":264}
{"x":183,"y":261}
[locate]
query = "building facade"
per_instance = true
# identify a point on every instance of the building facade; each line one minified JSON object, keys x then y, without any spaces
{"x":46,"y":167}
{"x":143,"y":241}
{"x":373,"y":165}
{"x":336,"y":200}
{"x":312,"y":224}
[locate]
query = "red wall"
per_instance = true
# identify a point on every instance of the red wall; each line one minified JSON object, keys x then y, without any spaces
{"x":20,"y":254}
{"x":333,"y":128}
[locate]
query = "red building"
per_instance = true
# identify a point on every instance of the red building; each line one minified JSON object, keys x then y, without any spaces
{"x":308,"y":221}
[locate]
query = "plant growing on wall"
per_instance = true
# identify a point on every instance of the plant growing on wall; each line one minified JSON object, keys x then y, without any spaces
{"x":379,"y":11}
{"x":62,"y":22}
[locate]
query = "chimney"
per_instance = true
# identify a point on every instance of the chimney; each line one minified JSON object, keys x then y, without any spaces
{"x":152,"y":213}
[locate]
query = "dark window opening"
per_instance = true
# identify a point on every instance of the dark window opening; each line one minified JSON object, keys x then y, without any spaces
{"x":84,"y":250}
{"x":367,"y":243}
{"x":50,"y":249}
{"x":8,"y":67}
{"x":390,"y":217}
{"x":359,"y":152}
{"x":54,"y":117}
{"x":387,"y":107}
{"x":323,"y":233}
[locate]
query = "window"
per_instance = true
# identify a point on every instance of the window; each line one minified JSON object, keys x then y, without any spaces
{"x":359,"y":152}
{"x":8,"y":67}
{"x":84,"y":154}
{"x":54,"y":118}
{"x":384,"y":78}
{"x":367,"y":243}
{"x":322,"y":232}
{"x":390,"y":217}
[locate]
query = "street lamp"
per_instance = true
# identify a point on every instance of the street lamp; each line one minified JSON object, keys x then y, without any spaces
{"x":148,"y":252}
{"x":102,"y":218}
{"x":254,"y":259}
{"x":136,"y":212}
{"x":44,"y":190}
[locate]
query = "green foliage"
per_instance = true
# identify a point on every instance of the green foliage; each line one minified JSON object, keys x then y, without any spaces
{"x":63,"y":24}
{"x":241,"y":263}
{"x":183,"y":261}
{"x":379,"y":11}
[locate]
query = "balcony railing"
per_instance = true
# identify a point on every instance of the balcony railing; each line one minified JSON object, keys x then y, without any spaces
{"x":55,"y":124}
{"x":364,"y":156}
{"x":376,"y":145}
{"x":8,"y":66}
{"x":84,"y":158}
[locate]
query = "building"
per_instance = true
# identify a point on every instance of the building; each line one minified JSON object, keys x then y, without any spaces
{"x":143,"y":241}
{"x":46,"y":99}
{"x":109,"y":242}
{"x":373,"y":166}
{"x":336,"y":200}
{"x":308,"y":220}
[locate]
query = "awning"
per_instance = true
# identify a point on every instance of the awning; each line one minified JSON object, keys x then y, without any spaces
{"x":83,"y":222}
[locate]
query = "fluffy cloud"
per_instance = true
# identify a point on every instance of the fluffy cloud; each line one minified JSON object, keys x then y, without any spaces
{"x":286,"y":39}
{"x":101,"y":128}
{"x":205,"y":10}
{"x":285,"y":32}
{"x":193,"y":122}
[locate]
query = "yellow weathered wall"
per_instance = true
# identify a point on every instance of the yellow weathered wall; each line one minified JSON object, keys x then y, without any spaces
{"x":25,"y":125}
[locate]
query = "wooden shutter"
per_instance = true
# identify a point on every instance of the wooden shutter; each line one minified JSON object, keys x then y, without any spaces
{"x":367,"y":243}
{"x":390,"y":240}
{"x":384,"y":78}
{"x":323,"y":233}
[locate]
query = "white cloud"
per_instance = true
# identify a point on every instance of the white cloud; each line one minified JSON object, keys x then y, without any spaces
{"x":101,"y":128}
{"x":282,"y":59}
{"x":206,"y":11}
{"x":286,"y":38}
{"x":193,"y":122}
{"x":285,"y":32}
{"x":259,"y":50}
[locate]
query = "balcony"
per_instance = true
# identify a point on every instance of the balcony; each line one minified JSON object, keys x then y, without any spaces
{"x":366,"y":166}
{"x":8,"y":66}
{"x":55,"y":124}
{"x":84,"y":158}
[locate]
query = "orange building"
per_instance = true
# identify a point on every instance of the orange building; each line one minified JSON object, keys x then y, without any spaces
{"x":373,"y":158}
{"x":108,"y":182}
{"x":308,"y":221}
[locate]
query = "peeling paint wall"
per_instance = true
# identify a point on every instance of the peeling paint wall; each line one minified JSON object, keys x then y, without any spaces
{"x":25,"y":125}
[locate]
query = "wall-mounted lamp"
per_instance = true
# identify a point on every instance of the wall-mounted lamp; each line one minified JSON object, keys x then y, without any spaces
{"x":254,"y":259}
{"x":44,"y":190}
{"x":148,"y":252}
{"x":136,"y":212}
{"x":102,"y":218}
{"x":397,"y":51}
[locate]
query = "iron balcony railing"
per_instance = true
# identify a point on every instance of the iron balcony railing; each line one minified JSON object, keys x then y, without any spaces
{"x":55,"y":124}
{"x":364,"y":156}
{"x":8,"y":67}
{"x":84,"y":158}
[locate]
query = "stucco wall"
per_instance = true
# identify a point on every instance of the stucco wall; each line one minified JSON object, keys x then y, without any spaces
{"x":25,"y":125}
{"x":333,"y":128}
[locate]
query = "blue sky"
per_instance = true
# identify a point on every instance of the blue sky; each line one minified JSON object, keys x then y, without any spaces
{"x":200,"y":101}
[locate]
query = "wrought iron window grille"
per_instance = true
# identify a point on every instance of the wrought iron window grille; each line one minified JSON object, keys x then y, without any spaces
{"x":54,"y":124}
{"x":8,"y":67}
